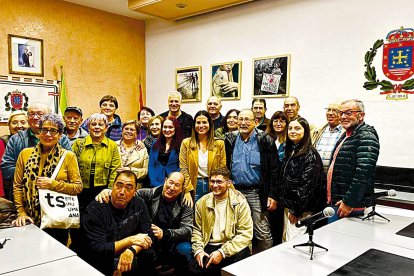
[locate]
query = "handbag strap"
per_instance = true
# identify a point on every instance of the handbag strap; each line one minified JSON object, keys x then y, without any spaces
{"x":55,"y":172}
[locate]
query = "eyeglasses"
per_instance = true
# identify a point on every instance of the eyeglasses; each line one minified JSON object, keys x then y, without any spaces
{"x":52,"y":131}
{"x":218,"y":182}
{"x":32,"y":115}
{"x":348,"y":112}
{"x":246,"y":120}
{"x":127,"y":187}
{"x":279,"y":121}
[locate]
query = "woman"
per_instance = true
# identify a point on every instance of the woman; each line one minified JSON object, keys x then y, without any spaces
{"x":200,"y":154}
{"x":229,"y":124}
{"x":301,"y":192}
{"x":277,"y":130}
{"x":17,"y":121}
{"x":144,"y":115}
{"x":154,"y":131}
{"x":133,"y":153}
{"x":34,"y":168}
{"x":163,"y":157}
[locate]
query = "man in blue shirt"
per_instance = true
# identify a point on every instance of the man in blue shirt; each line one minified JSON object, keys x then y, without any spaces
{"x":253,"y":161}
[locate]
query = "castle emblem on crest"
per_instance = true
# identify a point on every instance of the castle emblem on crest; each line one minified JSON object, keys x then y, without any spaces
{"x":397,"y":65}
{"x":16,"y":100}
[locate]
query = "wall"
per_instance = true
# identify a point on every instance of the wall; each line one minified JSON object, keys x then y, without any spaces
{"x":101,"y":53}
{"x":327,"y":41}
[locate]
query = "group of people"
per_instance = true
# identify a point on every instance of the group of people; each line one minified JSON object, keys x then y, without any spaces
{"x":208,"y":190}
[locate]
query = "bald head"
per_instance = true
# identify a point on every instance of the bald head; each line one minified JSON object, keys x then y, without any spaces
{"x":173,"y":186}
{"x":34,"y":113}
{"x":291,"y":108}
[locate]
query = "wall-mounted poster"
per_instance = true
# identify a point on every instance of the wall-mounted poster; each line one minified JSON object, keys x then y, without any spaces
{"x":271,"y":76}
{"x":188,"y":83}
{"x":25,"y":55}
{"x":226,"y":80}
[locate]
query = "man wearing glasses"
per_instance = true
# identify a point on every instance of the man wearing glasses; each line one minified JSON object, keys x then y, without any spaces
{"x":25,"y":139}
{"x":223,"y":227}
{"x":350,"y":180}
{"x":73,"y":120}
{"x":253,"y":161}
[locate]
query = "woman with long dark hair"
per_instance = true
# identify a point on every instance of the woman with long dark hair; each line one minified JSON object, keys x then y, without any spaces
{"x":277,"y":129}
{"x":229,"y":124}
{"x":200,"y":154}
{"x":163,"y":156}
{"x":302,"y":192}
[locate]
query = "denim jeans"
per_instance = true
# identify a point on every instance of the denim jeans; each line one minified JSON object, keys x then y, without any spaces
{"x":201,"y":188}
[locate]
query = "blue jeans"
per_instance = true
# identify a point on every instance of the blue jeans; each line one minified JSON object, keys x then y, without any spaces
{"x":201,"y":188}
{"x":184,"y":249}
{"x":336,"y":217}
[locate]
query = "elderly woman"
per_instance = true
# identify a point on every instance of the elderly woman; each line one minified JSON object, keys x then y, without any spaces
{"x":34,"y":169}
{"x":229,"y":124}
{"x":134,"y":155}
{"x":163,"y":157}
{"x":144,"y":115}
{"x":199,"y":155}
{"x":17,"y":121}
{"x":153,"y":131}
{"x":277,"y":129}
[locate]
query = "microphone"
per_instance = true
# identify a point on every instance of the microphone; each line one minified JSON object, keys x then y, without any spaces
{"x":391,"y":192}
{"x":325,"y":213}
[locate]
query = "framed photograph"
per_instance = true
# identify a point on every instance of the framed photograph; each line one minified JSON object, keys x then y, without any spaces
{"x":25,"y":55}
{"x":226,"y":80}
{"x":188,"y":83}
{"x":271,"y":76}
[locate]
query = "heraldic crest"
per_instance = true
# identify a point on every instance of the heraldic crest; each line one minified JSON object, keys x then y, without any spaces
{"x":16,"y":100}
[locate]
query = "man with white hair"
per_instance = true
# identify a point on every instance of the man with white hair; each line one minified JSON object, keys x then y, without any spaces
{"x":174,"y":106}
{"x":213,"y":108}
{"x":25,"y":139}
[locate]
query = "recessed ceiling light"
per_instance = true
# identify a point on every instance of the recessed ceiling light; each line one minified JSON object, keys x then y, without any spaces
{"x":181,"y":6}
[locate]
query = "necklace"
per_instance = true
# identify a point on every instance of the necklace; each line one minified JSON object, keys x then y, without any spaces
{"x":126,"y":152}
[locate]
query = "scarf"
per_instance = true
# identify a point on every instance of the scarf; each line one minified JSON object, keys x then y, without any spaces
{"x":31,"y":172}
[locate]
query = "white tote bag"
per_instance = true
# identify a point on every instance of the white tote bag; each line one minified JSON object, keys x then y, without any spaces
{"x":58,"y":210}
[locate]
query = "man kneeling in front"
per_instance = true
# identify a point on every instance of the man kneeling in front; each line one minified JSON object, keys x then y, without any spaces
{"x":223,"y":227}
{"x":119,"y":232}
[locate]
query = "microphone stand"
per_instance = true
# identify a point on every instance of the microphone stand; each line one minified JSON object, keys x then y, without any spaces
{"x":374,"y":213}
{"x":310,"y":242}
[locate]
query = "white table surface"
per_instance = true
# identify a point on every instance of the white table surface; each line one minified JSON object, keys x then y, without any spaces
{"x":285,"y":260}
{"x":64,"y":267}
{"x":377,"y":228}
{"x":29,"y":246}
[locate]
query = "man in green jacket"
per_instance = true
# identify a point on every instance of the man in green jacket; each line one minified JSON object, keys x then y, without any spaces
{"x":223,"y":226}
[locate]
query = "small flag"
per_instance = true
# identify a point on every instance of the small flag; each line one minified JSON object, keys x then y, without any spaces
{"x":63,"y":100}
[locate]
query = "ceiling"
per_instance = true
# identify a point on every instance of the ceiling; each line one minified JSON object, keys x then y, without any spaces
{"x":166,"y":9}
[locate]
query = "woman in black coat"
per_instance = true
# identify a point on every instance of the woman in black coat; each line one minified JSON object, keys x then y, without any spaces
{"x":301,"y":192}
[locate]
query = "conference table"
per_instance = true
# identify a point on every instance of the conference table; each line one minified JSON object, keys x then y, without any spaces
{"x":30,"y":249}
{"x":345,"y":239}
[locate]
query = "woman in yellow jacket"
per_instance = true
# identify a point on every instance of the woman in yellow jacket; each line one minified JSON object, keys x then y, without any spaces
{"x":200,"y":154}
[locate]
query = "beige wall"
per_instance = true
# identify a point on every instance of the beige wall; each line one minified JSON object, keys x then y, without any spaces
{"x":101,"y":53}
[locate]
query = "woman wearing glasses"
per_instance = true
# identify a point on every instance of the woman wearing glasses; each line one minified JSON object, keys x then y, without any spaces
{"x":200,"y":154}
{"x":301,"y":190}
{"x":34,"y":169}
{"x":133,"y":153}
{"x":277,"y":130}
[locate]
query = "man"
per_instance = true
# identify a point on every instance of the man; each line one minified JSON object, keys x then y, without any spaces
{"x":259,"y":110}
{"x":325,"y":138}
{"x":185,"y":120}
{"x":119,"y":232}
{"x":223,"y":227}
{"x":213,"y":108}
{"x":291,"y":108}
{"x":253,"y":161}
{"x":172,"y":219}
{"x":73,"y":120}
{"x":25,"y":58}
{"x":351,"y":173}
{"x":25,"y":139}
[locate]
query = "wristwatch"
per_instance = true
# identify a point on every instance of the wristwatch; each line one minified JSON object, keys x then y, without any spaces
{"x":132,"y":249}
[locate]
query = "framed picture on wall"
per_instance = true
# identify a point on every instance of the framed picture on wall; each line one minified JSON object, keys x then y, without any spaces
{"x":271,"y":76}
{"x":188,"y":83}
{"x":25,"y":55}
{"x":226,"y":80}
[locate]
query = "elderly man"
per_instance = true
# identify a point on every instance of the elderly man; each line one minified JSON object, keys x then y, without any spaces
{"x":185,"y":120}
{"x":325,"y":138}
{"x":73,"y":120}
{"x":223,"y":227}
{"x":172,"y":220}
{"x":25,"y":139}
{"x":213,"y":108}
{"x":119,"y":232}
{"x":291,"y":108}
{"x":351,"y":173}
{"x":259,"y":110}
{"x":253,"y":161}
